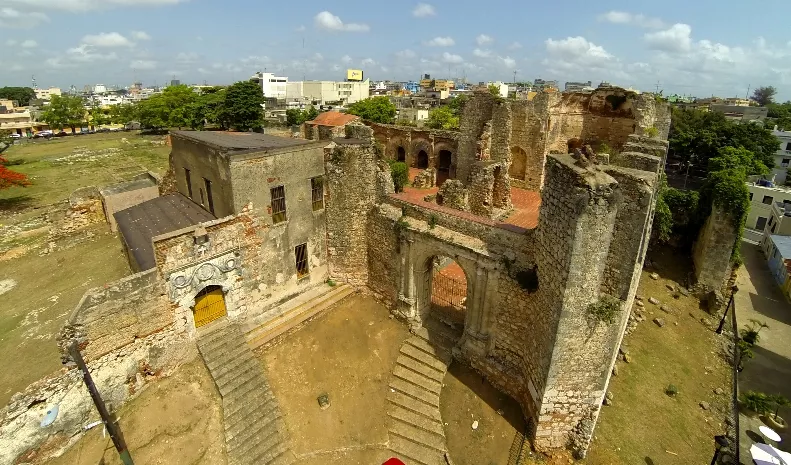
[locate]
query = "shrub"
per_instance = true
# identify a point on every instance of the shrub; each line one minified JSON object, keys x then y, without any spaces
{"x":400,"y":173}
{"x":750,"y":333}
{"x":331,"y":282}
{"x":652,"y":132}
{"x":671,"y":390}
{"x":432,"y":221}
{"x":758,"y":402}
{"x":605,"y":308}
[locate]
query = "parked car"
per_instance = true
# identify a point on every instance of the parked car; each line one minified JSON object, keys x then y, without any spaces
{"x":47,"y":134}
{"x":61,"y":134}
{"x":15,"y":136}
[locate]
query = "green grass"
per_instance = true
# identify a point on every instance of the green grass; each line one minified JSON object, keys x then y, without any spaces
{"x":56,"y":170}
{"x":644,"y":422}
{"x":48,"y":287}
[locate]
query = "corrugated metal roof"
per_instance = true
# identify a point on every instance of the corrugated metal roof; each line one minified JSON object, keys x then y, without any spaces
{"x":139,"y":224}
{"x":333,"y":118}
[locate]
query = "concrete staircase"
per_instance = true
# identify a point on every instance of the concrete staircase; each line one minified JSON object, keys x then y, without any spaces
{"x":278,"y":320}
{"x":416,"y":433}
{"x":254,"y":430}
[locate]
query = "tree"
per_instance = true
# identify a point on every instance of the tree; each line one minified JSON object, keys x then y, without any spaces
{"x":123,"y":113}
{"x":442,"y":118}
{"x":494,"y":90}
{"x":21,"y":95}
{"x":97,"y":116}
{"x":210,"y":109}
{"x":374,"y":109}
{"x":178,"y":106}
{"x":9,"y":178}
{"x":779,"y":115}
{"x":295,"y":117}
{"x":764,"y":95}
{"x":696,"y":136}
{"x":731,"y":157}
{"x":456,"y":104}
{"x":244,"y":106}
{"x":64,"y":111}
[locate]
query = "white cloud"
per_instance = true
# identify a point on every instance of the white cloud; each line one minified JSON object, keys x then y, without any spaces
{"x":483,"y":39}
{"x":301,"y":28}
{"x":346,"y":59}
{"x":406,"y":54}
{"x":328,"y":21}
{"x":204,"y":71}
{"x":11,"y":42}
{"x":255,"y":61}
{"x":29,"y":44}
{"x":480,"y":53}
{"x":507,"y":61}
{"x":87,"y":5}
{"x":17,"y":67}
{"x":226,"y":67}
{"x":82,"y":54}
{"x":452,"y":58}
{"x":140,"y":35}
{"x":368,"y":62}
{"x":623,"y":17}
{"x":384,"y":69}
{"x":187,"y":57}
{"x":107,"y":39}
{"x":143,"y":64}
{"x":574,"y":54}
{"x":423,"y":10}
{"x":15,"y":19}
{"x":318,"y":56}
{"x":440,"y":42}
{"x":677,"y":39}
{"x":514,"y":46}
{"x":336,"y":67}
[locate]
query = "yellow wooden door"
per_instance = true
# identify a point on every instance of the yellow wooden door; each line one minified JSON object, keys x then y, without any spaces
{"x":209,"y":306}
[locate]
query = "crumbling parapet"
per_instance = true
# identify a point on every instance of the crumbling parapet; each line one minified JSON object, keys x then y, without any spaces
{"x":489,"y":189}
{"x":453,"y":194}
{"x":425,"y":179}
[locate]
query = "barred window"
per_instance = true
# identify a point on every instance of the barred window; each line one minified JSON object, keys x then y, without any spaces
{"x":301,"y":253}
{"x":317,"y":187}
{"x":278,"y":204}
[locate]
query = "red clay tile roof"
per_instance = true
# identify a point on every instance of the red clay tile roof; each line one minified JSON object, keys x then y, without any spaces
{"x":333,"y":118}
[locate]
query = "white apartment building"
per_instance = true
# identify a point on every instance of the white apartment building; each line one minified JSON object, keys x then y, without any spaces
{"x":413,"y":115}
{"x":501,"y":87}
{"x":271,"y":85}
{"x":99,"y":89}
{"x":47,"y":94}
{"x":328,"y":92}
{"x":763,"y":197}
{"x":782,"y":155}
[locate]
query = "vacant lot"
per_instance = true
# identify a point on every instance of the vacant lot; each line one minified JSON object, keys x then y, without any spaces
{"x":49,"y":260}
{"x":644,"y":425}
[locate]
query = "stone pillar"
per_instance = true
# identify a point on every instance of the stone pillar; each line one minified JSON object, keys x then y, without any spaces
{"x":407,"y":298}
{"x":579,"y":208}
{"x":711,"y":254}
{"x":477,"y":341}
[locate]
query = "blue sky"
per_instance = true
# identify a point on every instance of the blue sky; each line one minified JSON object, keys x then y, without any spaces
{"x":691,"y":47}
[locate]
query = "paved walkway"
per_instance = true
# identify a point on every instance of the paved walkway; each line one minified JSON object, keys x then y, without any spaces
{"x":760,"y":298}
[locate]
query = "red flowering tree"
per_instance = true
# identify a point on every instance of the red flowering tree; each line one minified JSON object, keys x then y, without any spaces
{"x":9,"y":178}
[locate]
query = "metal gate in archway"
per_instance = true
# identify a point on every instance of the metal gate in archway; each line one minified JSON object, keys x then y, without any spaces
{"x":448,"y":292}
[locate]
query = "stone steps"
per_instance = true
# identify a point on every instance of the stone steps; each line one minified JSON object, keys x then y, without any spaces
{"x":294,"y":312}
{"x":415,"y":430}
{"x":254,"y":430}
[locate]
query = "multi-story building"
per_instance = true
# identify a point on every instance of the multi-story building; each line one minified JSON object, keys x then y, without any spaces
{"x":502,"y":88}
{"x":541,"y":84}
{"x":20,"y":121}
{"x":47,"y":94}
{"x":741,"y":114}
{"x":763,"y":196}
{"x":782,"y":156}
{"x":413,"y":115}
{"x":436,"y":84}
{"x":272,"y":86}
{"x":578,"y":86}
{"x":327,"y":92}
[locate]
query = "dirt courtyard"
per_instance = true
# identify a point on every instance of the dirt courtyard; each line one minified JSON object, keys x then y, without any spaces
{"x":176,"y":420}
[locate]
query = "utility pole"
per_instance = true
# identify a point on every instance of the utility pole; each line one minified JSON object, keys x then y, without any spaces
{"x":747,"y":95}
{"x":657,"y":87}
{"x":514,"y":77}
{"x":109,"y":421}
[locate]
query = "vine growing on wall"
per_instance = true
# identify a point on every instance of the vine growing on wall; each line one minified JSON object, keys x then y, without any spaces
{"x":727,"y":190}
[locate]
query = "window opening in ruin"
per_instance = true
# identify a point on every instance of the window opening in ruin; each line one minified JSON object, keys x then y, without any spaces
{"x":422,"y":160}
{"x":278,"y":204}
{"x":189,"y":182}
{"x":401,"y":154}
{"x":443,"y":168}
{"x":768,"y":199}
{"x":574,"y":144}
{"x":317,"y":190}
{"x":448,"y":291}
{"x":209,"y":305}
{"x":207,"y":183}
{"x":202,"y":197}
{"x":518,"y":163}
{"x":301,"y":254}
{"x":761,"y":223}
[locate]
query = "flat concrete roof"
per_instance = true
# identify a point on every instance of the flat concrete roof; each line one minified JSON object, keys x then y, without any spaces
{"x":139,"y":224}
{"x":783,"y":244}
{"x":140,"y":182}
{"x":241,"y":141}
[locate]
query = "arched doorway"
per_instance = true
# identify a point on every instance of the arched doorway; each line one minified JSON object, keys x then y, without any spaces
{"x":443,"y":168}
{"x":209,"y":305}
{"x":401,"y":154}
{"x":446,"y":285}
{"x":573,"y":144}
{"x":422,"y":160}
{"x":518,"y":163}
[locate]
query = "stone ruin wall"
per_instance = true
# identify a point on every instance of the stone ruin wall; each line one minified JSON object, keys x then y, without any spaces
{"x":711,"y":254}
{"x":432,"y":141}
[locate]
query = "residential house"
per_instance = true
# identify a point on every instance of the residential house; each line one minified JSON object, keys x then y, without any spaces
{"x":778,"y":256}
{"x":782,"y":155}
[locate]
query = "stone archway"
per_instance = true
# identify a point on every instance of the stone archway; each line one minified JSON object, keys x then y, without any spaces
{"x":518,"y":163}
{"x":446,"y":285}
{"x":400,"y":154}
{"x":422,"y":160}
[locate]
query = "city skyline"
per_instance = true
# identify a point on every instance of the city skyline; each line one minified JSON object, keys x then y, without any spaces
{"x":680,"y":48}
